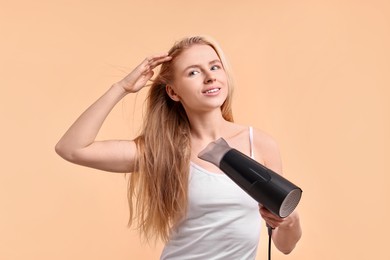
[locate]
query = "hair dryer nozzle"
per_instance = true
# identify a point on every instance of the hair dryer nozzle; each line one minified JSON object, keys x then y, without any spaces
{"x":215,"y":151}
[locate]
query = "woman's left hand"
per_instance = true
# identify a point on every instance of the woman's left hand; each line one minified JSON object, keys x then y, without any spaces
{"x":288,"y":230}
{"x":275,"y":221}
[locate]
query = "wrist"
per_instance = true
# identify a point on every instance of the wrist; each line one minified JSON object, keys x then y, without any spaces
{"x":119,"y":89}
{"x":290,"y":221}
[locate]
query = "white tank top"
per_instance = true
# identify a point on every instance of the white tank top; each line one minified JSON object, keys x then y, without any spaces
{"x":222,"y":221}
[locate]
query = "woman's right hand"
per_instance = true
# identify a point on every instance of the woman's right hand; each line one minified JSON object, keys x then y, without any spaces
{"x":79,"y":145}
{"x":138,"y":78}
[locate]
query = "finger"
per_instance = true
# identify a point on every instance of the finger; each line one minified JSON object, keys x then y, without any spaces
{"x":271,"y":225}
{"x":273,"y":219}
{"x":158,"y":56}
{"x":153,"y":58}
{"x":151,"y":62}
{"x":144,"y":67}
{"x":270,"y":217}
{"x":158,"y":61}
{"x":265,"y":212}
{"x":273,"y":222}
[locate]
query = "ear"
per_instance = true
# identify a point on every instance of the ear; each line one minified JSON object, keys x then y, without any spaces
{"x":171,"y":93}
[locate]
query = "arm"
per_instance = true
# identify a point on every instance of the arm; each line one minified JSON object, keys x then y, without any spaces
{"x":78,"y":144}
{"x":287,"y":231}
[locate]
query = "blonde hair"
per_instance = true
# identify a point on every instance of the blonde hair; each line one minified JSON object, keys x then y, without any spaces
{"x":157,"y":190}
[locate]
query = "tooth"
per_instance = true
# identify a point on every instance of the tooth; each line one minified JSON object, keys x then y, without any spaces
{"x":212,"y":90}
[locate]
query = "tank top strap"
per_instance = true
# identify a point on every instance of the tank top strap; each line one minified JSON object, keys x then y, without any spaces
{"x":251,"y":142}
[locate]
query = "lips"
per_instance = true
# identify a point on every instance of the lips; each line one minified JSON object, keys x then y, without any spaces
{"x":211,"y":90}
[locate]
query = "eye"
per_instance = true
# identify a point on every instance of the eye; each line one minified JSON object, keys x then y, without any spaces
{"x":193,"y":73}
{"x":215,"y":67}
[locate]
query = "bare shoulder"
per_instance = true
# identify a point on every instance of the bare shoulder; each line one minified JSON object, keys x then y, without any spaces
{"x":263,"y":140}
{"x":267,"y":147}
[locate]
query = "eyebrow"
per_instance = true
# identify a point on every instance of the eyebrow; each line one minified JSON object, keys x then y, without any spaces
{"x":197,"y":66}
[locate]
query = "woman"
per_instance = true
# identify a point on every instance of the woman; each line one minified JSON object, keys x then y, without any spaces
{"x":173,"y":195}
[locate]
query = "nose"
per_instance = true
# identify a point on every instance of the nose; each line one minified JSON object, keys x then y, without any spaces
{"x":209,"y":78}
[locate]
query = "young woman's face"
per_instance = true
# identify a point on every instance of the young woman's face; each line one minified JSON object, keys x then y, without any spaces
{"x":200,"y":81}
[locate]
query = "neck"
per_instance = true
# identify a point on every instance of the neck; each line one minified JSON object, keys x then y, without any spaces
{"x":208,"y":126}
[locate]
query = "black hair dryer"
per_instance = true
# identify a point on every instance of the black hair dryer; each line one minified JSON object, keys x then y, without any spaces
{"x":268,"y":188}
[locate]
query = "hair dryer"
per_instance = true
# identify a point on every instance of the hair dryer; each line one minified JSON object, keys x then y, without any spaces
{"x":268,"y":188}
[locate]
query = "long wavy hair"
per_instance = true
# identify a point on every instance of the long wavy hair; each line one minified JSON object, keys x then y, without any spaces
{"x":158,"y":188}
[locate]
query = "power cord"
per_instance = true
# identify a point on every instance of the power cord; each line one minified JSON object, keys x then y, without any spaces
{"x":269,"y":241}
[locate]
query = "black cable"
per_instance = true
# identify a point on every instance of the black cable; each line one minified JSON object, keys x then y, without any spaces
{"x":269,"y":241}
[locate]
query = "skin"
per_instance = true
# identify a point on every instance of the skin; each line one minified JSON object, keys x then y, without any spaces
{"x":200,"y":84}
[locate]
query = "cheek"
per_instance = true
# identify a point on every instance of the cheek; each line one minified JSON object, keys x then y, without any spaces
{"x":185,"y":85}
{"x":222,"y":77}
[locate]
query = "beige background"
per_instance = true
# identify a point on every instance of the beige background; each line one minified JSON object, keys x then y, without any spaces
{"x":314,"y":74}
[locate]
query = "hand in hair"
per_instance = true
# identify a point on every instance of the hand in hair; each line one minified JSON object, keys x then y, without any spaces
{"x":79,"y":144}
{"x":138,"y":78}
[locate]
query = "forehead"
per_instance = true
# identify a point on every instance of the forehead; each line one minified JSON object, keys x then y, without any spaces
{"x":196,"y":55}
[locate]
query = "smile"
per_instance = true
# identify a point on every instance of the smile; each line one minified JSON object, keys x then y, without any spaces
{"x":213,"y":90}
